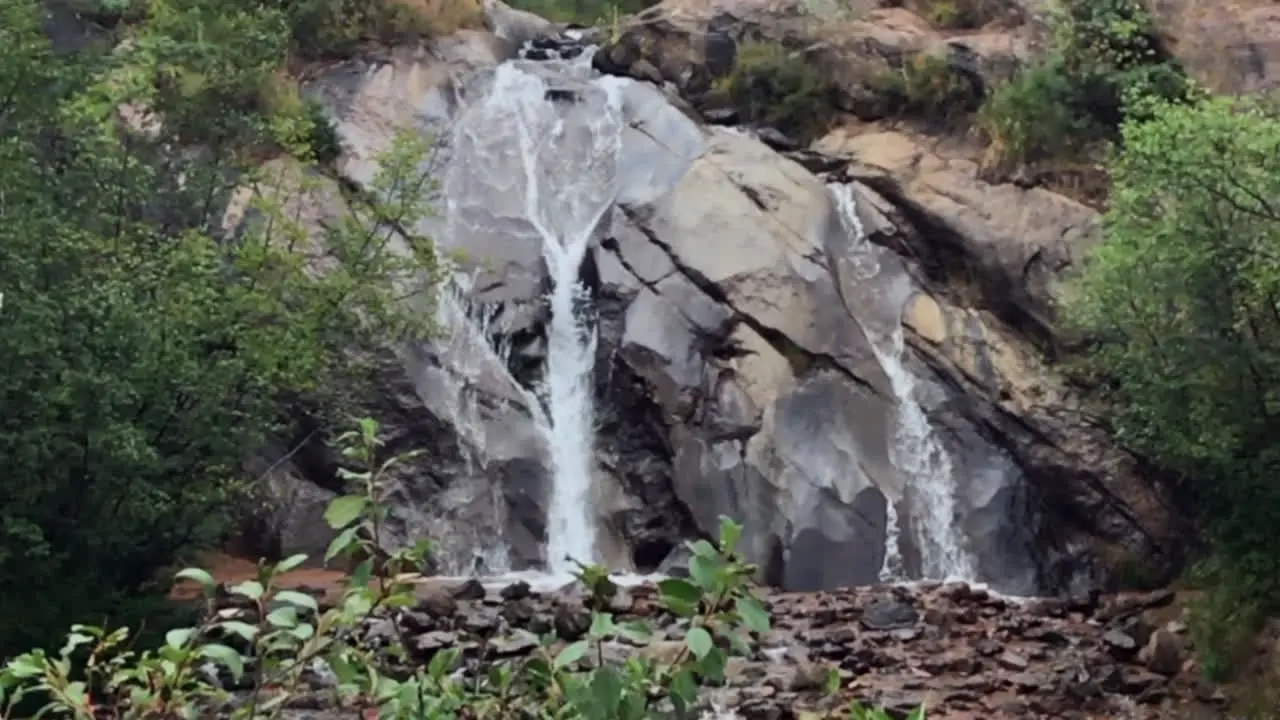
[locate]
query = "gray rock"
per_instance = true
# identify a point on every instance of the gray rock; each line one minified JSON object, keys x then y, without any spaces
{"x":888,"y":615}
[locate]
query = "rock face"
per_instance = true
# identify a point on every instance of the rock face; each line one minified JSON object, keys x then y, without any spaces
{"x":849,"y":365}
{"x":958,"y":650}
{"x":861,"y":48}
{"x":992,"y":257}
{"x":1229,"y":47}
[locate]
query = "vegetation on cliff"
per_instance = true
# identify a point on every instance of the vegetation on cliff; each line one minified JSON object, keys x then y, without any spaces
{"x":147,"y":347}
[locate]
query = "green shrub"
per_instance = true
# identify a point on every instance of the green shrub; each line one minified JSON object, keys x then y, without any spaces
{"x":337,"y":28}
{"x":1034,"y":117}
{"x":583,"y":12}
{"x":928,"y":88}
{"x":774,"y":86}
{"x":1104,"y":57}
{"x":963,"y":14}
{"x":284,"y":632}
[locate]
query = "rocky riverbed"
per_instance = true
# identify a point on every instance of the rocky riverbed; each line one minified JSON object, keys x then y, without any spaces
{"x":960,"y":650}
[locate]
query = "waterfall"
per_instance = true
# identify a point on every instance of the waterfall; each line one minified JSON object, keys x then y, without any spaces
{"x":915,"y":450}
{"x":542,"y":155}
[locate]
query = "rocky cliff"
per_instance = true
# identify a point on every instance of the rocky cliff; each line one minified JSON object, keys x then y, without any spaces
{"x":769,"y":318}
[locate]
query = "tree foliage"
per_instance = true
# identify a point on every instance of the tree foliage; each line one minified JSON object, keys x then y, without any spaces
{"x":1183,"y":298}
{"x":147,"y":350}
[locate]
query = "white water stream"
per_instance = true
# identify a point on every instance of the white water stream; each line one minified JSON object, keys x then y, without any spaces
{"x":547,"y":151}
{"x":559,"y":156}
{"x":915,"y":450}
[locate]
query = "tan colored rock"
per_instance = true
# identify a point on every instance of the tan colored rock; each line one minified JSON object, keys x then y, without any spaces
{"x":1231,"y":46}
{"x":1162,"y":653}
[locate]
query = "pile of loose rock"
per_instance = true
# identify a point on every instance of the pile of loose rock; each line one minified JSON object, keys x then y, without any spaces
{"x":961,"y":651}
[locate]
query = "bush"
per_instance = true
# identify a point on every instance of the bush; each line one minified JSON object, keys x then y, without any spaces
{"x":927,"y":87}
{"x":337,"y":28}
{"x":583,"y":12}
{"x":965,"y":14}
{"x":1034,"y":117}
{"x":776,"y":87}
{"x":1104,"y":54}
{"x":285,"y":633}
{"x":1181,"y":302}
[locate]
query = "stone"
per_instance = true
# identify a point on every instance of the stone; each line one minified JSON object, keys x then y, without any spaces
{"x":888,"y":615}
{"x":572,"y":621}
{"x":1121,"y":644}
{"x":472,"y":589}
{"x":516,"y":591}
{"x":1163,"y":653}
{"x":436,"y":602}
{"x":1012,"y":661}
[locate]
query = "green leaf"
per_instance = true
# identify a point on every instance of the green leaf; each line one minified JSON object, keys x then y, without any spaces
{"x":753,"y":614}
{"x":26,"y":666}
{"x":344,"y":510}
{"x":178,"y":637}
{"x":201,"y":577}
{"x":680,"y":590}
{"x":285,"y":617}
{"x":833,"y":682}
{"x":703,"y":571}
{"x":606,"y":692}
{"x":730,"y":533}
{"x":712,"y":666}
{"x":341,"y":543}
{"x":699,"y":642}
{"x":571,"y":654}
{"x":226,"y":657}
{"x":75,"y":640}
{"x":242,"y":629}
{"x":302,"y":600}
{"x":635,"y":631}
{"x":251,"y":589}
{"x":442,"y":663}
{"x":917,"y":714}
{"x":601,"y":625}
{"x":291,"y":562}
{"x":683,"y":688}
{"x":362,"y":574}
{"x":704,"y":549}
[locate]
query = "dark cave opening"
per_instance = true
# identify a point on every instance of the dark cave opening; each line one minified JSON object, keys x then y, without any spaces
{"x":647,"y":555}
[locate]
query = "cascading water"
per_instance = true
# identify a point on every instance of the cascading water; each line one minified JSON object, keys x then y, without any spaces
{"x":555,"y":150}
{"x":915,"y":450}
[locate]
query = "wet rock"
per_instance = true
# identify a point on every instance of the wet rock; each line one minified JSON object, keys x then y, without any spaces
{"x":516,"y":591}
{"x":1122,"y":645}
{"x":888,"y":615}
{"x":437,"y":602}
{"x":572,"y":621}
{"x":472,"y":589}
